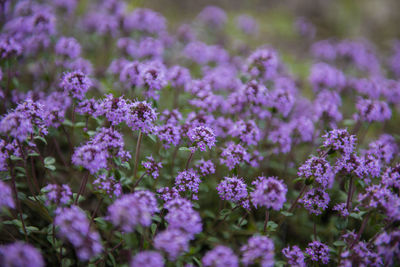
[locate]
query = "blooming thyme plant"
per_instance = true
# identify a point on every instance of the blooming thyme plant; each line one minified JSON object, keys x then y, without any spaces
{"x":124,"y":142}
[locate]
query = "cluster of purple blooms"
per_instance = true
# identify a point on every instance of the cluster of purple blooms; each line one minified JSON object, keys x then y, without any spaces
{"x":184,"y":91}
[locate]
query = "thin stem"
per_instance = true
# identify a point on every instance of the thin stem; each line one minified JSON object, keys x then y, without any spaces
{"x":137,"y":154}
{"x":82,"y":187}
{"x":350,"y":193}
{"x":315,"y":229}
{"x":298,"y":198}
{"x":189,"y":159}
{"x":266,"y":220}
{"x":363,"y":224}
{"x":14,"y":188}
{"x":138,"y":181}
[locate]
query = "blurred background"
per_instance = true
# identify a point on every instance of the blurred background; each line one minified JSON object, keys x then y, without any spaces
{"x":376,"y":20}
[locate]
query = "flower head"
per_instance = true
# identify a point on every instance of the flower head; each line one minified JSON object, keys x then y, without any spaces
{"x":269,"y":192}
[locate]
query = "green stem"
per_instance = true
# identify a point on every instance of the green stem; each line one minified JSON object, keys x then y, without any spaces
{"x":189,"y":159}
{"x":137,"y":154}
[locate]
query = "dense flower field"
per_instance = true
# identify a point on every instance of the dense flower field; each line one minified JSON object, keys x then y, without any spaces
{"x":126,"y":143}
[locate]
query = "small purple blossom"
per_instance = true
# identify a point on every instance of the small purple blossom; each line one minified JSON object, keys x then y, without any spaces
{"x":372,"y":110}
{"x":58,"y":194}
{"x":319,"y":169}
{"x":220,"y":256}
{"x":341,"y":209}
{"x":68,"y":47}
{"x":108,"y":185}
{"x":152,"y":167}
{"x":148,"y":259}
{"x":269,"y":192}
{"x":315,"y":201}
{"x":234,"y":189}
{"x":259,"y":249}
{"x":173,"y":242}
{"x":76,"y":83}
{"x":21,"y":255}
{"x":201,"y":137}
{"x":74,"y":226}
{"x":6,"y":198}
{"x":188,"y":180}
{"x":205,"y":167}
{"x":340,"y":140}
{"x":234,"y":154}
{"x":318,"y":252}
{"x":133,"y":209}
{"x":294,"y":256}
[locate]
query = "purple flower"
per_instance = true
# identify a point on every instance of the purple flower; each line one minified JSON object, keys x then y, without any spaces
{"x":58,"y":194}
{"x":326,"y":107}
{"x":305,"y":27}
{"x":108,"y":185}
{"x":318,"y":252}
{"x":183,"y":217}
{"x":145,"y":20}
{"x":382,"y":199}
{"x":153,"y":77}
{"x":315,"y":201}
{"x":340,"y":140}
{"x":391,"y":177}
{"x":21,"y":255}
{"x":111,"y":141}
{"x":74,"y":226}
{"x":149,"y":47}
{"x":76,"y":83}
{"x":9,"y":47}
{"x":68,"y":47}
{"x":324,"y":76}
{"x":262,"y":63}
{"x":173,"y":242}
{"x":133,"y":209}
{"x":247,"y":24}
{"x":234,"y":189}
{"x":6,"y":198}
{"x":115,"y":109}
{"x":388,"y":246}
{"x":141,"y":117}
{"x":318,"y":169}
{"x":269,"y":192}
{"x":360,"y":255}
{"x":167,"y":194}
{"x":147,"y":259}
{"x":205,"y":167}
{"x":384,"y":148}
{"x":171,"y":116}
{"x":90,"y":156}
{"x":247,"y":131}
{"x":188,"y":180}
{"x":6,"y":150}
{"x":130,"y":74}
{"x":201,"y":137}
{"x":341,"y":209}
{"x":26,"y":119}
{"x":234,"y":154}
{"x":259,"y":249}
{"x":294,"y":256}
{"x":152,"y":167}
{"x":282,"y":137}
{"x":179,"y":77}
{"x":220,"y":256}
{"x":168,"y":134}
{"x":324,"y":49}
{"x":213,"y":16}
{"x":352,"y":164}
{"x":372,"y":110}
{"x":282,"y":100}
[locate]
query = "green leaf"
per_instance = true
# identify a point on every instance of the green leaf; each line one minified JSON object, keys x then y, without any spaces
{"x":68,"y":123}
{"x":14,"y":158}
{"x":286,"y":213}
{"x":297,"y":180}
{"x":152,"y":137}
{"x":339,"y":243}
{"x":271,"y":226}
{"x":184,"y":149}
{"x":126,"y":165}
{"x":50,"y":167}
{"x":49,"y":160}
{"x":33,"y":154}
{"x":80,"y":124}
{"x":41,"y":138}
{"x":196,"y":260}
